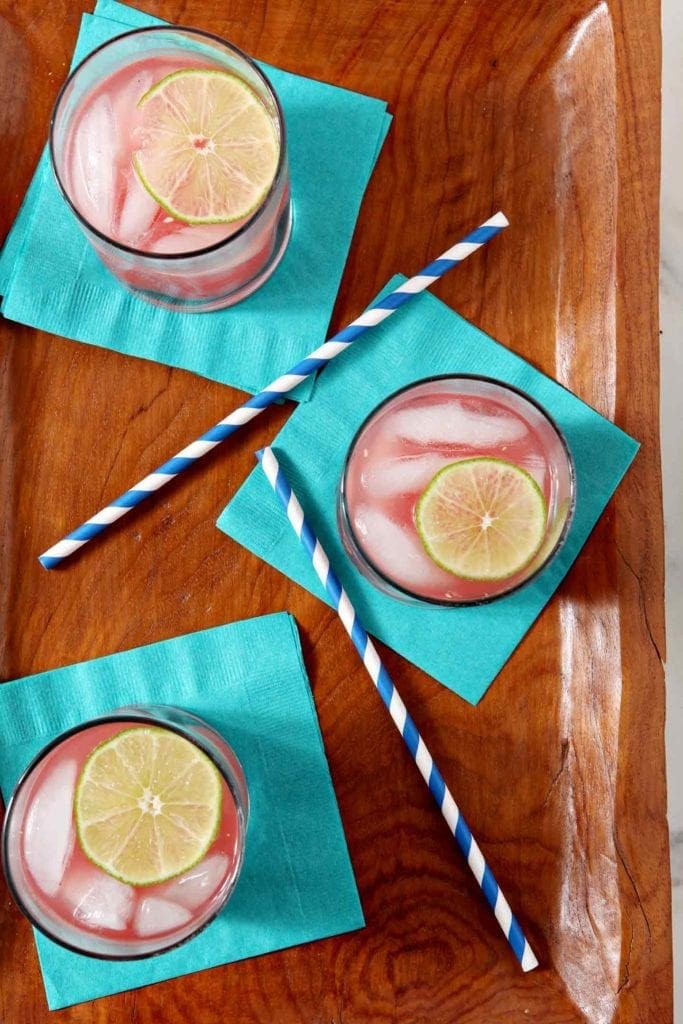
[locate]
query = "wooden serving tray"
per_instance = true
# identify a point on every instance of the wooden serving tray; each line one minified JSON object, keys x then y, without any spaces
{"x":549,"y":111}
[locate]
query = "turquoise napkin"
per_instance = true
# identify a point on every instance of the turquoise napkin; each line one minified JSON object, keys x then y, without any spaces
{"x":463,"y":648}
{"x":51,"y":278}
{"x":248,"y":680}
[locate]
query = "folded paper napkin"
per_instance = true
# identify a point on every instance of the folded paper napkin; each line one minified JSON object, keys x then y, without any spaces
{"x":51,"y":279}
{"x":248,"y":680}
{"x":463,"y":648}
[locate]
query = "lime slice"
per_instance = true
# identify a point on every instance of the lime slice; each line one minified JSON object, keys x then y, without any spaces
{"x":208,"y":148}
{"x":147,"y":805}
{"x":481,"y":519}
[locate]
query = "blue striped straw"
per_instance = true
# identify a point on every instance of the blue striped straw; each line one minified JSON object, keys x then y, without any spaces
{"x":372,"y":316}
{"x":397,"y":709}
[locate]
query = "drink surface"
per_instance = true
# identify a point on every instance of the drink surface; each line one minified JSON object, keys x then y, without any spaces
{"x":101,"y":179}
{"x":404,"y":446}
{"x":83,"y":896}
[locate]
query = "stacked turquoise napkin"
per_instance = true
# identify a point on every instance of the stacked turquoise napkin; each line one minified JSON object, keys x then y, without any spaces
{"x":51,"y":279}
{"x":463,"y":648}
{"x":248,"y":680}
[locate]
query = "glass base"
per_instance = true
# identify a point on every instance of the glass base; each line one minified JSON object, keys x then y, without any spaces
{"x":231,"y":298}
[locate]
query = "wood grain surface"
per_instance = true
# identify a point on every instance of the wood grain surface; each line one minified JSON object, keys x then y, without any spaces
{"x":549,"y":111}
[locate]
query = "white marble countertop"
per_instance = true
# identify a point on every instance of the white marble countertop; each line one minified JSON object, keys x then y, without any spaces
{"x":671,"y":305}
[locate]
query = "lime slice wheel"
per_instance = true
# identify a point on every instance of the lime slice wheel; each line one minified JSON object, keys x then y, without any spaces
{"x":481,"y":519}
{"x":147,"y":805}
{"x":208,"y":148}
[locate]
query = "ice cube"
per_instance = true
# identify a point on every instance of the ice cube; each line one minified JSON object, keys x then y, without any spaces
{"x":384,"y":479}
{"x":94,"y":164}
{"x":454,"y":423}
{"x":125,"y":101}
{"x":191,"y":237}
{"x":137,"y":212}
{"x":49,"y":831}
{"x":156,"y":916}
{"x":195,"y":887}
{"x":98,"y":900}
{"x":398,"y":552}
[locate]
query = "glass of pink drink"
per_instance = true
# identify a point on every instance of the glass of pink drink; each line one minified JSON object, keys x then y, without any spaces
{"x":71,"y":899}
{"x":412,"y":437}
{"x":98,"y":126}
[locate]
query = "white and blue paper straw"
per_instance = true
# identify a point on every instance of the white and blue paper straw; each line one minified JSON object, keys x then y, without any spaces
{"x":397,"y":709}
{"x":372,"y":316}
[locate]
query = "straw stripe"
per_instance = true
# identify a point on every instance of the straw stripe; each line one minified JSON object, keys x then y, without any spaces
{"x":109,"y":515}
{"x":312,"y":363}
{"x":397,"y":710}
{"x":153,"y":482}
{"x":416,"y":284}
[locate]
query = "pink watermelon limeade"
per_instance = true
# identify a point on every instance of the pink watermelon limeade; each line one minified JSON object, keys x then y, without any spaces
{"x":399,"y":450}
{"x":77,"y":903}
{"x":97,"y":127}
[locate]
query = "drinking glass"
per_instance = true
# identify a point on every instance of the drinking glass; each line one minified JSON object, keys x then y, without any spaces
{"x":406,"y":441}
{"x":73,"y":901}
{"x":210,"y":268}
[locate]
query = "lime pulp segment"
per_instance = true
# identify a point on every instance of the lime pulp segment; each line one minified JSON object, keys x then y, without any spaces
{"x":481,"y":519}
{"x":147,"y":806}
{"x":209,"y":149}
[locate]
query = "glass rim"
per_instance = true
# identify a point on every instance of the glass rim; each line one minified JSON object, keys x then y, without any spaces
{"x":124,"y":715}
{"x":471,"y":602}
{"x":190,"y":253}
